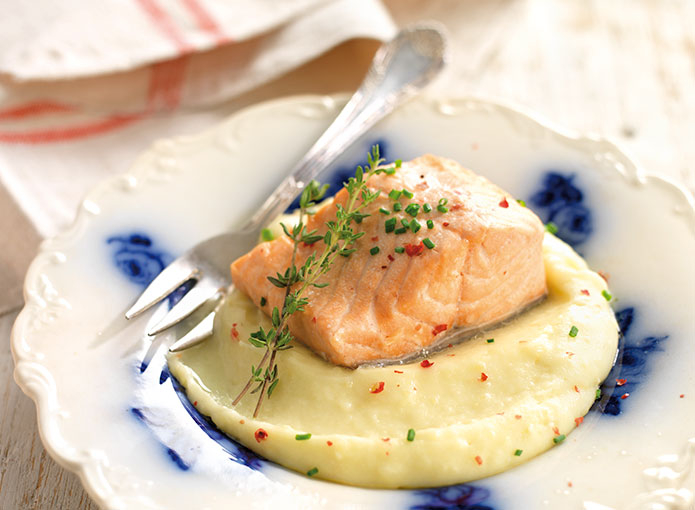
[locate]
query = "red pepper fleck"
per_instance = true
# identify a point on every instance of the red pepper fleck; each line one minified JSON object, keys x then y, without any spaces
{"x":604,"y":275}
{"x":570,"y":354}
{"x":391,"y":258}
{"x":576,"y":389}
{"x":455,"y":207}
{"x":375,"y":238}
{"x":329,"y":443}
{"x":451,"y":355}
{"x":377,"y":387}
{"x":585,"y":292}
{"x":569,"y":484}
{"x":517,"y":416}
{"x":242,"y":421}
{"x":479,"y":459}
{"x":387,"y":453}
{"x":450,"y":345}
{"x":500,"y":414}
{"x":260,"y":435}
{"x":579,"y":420}
{"x":620,"y":382}
{"x":483,"y":376}
{"x":439,"y":328}
{"x":682,"y":395}
{"x":445,"y":224}
{"x":384,"y":267}
{"x":308,"y":245}
{"x":313,"y":319}
{"x":556,"y":430}
{"x":425,"y":363}
{"x":413,"y":250}
{"x":503,"y":203}
{"x":398,"y":371}
{"x":386,"y":439}
{"x":195,"y":403}
{"x":624,"y":396}
{"x":234,"y":332}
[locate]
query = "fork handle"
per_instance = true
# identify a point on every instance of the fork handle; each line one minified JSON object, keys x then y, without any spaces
{"x":400,"y":69}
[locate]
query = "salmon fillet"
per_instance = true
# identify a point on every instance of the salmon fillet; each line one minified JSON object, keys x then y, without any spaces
{"x":485,"y":266}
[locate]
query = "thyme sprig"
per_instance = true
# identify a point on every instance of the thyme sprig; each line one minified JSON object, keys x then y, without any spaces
{"x":338,"y":240}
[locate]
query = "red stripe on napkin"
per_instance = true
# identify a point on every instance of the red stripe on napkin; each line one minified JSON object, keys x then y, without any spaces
{"x":35,"y":108}
{"x":71,"y":132}
{"x":205,"y":21}
{"x":161,"y":19}
{"x":166,"y":84}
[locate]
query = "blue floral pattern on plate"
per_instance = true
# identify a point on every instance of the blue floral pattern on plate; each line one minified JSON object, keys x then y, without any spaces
{"x":559,"y":200}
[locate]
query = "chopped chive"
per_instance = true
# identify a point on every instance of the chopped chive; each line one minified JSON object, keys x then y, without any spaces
{"x":384,"y":211}
{"x":426,"y":207}
{"x":267,"y":235}
{"x":394,"y":194}
{"x":559,"y":439}
{"x":598,"y":393}
{"x":390,"y":170}
{"x":427,"y":242}
{"x":415,"y":225}
{"x":490,"y":340}
{"x":405,"y":222}
{"x":518,"y":453}
{"x":390,"y":225}
{"x":413,"y":209}
{"x":312,"y":471}
{"x":521,"y":202}
{"x":411,"y":434}
{"x":398,"y":162}
{"x":407,"y":193}
{"x":263,"y":301}
{"x":401,"y":230}
{"x":443,"y":201}
{"x":573,"y":331}
{"x":397,"y":206}
{"x":374,"y":250}
{"x":303,"y":437}
{"x":607,"y":295}
{"x":430,"y":224}
{"x":441,"y":207}
{"x":399,"y":249}
{"x":551,"y":227}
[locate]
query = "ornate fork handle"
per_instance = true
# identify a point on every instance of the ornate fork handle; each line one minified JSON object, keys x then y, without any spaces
{"x":399,"y":70}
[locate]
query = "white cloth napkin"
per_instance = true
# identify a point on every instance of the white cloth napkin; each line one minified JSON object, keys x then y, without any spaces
{"x":86,"y":86}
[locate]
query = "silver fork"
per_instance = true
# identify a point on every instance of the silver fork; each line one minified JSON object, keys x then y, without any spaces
{"x":400,"y":69}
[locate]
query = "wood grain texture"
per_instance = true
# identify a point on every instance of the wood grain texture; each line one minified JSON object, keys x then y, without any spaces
{"x":29,"y":478}
{"x":624,"y":69}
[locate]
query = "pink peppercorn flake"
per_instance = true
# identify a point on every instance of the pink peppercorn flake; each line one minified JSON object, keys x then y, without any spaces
{"x":439,"y":328}
{"x":377,"y":387}
{"x":483,"y":376}
{"x":624,"y":396}
{"x":585,"y":292}
{"x":503,"y":203}
{"x":425,"y":363}
{"x":413,"y":250}
{"x":579,"y":421}
{"x":620,"y":382}
{"x":260,"y":435}
{"x":479,"y":460}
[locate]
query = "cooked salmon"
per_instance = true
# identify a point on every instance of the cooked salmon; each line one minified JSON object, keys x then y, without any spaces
{"x":484,"y":265}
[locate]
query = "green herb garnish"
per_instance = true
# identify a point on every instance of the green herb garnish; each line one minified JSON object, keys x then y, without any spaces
{"x":490,"y":340}
{"x":413,"y":209}
{"x":312,"y":471}
{"x":415,"y":225}
{"x":551,"y":227}
{"x":395,"y":194}
{"x":411,"y":435}
{"x":430,"y":224}
{"x":573,"y":331}
{"x":559,"y":439}
{"x":426,"y":207}
{"x":374,"y":250}
{"x":399,"y":249}
{"x":384,"y":211}
{"x":303,"y":437}
{"x":427,"y":242}
{"x":407,"y":194}
{"x":606,"y":295}
{"x":390,"y":225}
{"x":441,"y":206}
{"x":401,"y":230}
{"x":518,"y":453}
{"x":338,"y":240}
{"x":267,"y":235}
{"x":397,"y":207}
{"x":263,"y":301}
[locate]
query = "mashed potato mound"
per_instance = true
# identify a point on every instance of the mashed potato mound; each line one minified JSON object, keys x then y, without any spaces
{"x":470,"y":410}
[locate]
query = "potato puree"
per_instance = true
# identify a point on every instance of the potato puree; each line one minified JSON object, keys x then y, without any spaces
{"x":471,"y":410}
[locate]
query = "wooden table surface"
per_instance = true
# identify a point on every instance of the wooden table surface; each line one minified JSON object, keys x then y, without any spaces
{"x":623,"y":69}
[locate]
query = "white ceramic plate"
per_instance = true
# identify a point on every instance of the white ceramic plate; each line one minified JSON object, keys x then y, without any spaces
{"x":109,"y":411}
